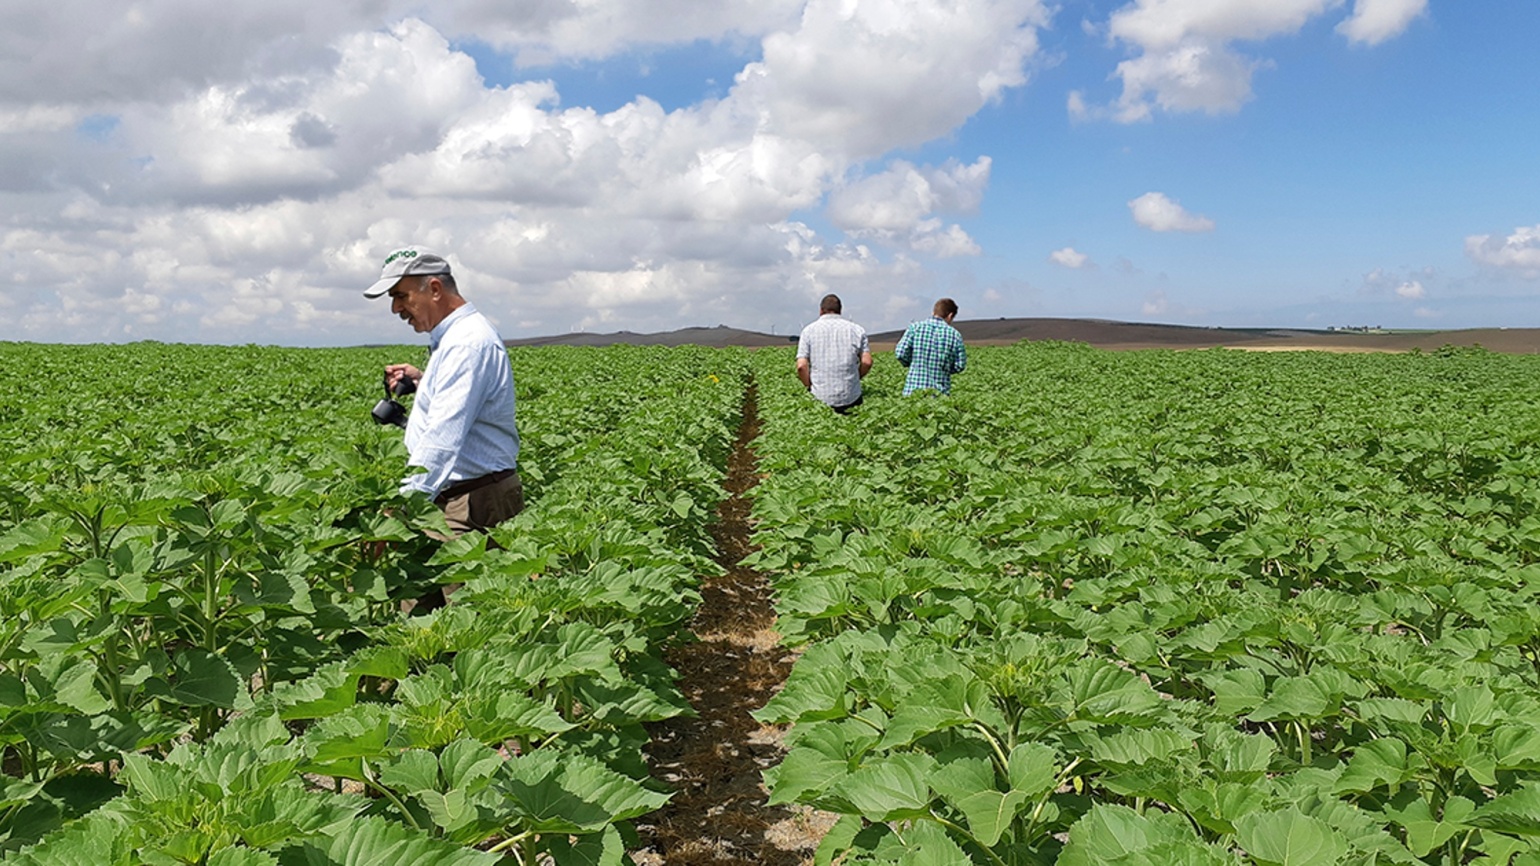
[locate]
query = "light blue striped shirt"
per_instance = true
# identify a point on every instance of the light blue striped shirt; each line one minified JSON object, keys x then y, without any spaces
{"x":462,"y":422}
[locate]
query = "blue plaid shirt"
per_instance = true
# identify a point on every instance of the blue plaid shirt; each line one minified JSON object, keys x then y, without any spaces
{"x":933,"y":351}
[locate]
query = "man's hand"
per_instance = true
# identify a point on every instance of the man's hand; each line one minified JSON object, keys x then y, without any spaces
{"x":805,"y":373}
{"x":396,"y":372}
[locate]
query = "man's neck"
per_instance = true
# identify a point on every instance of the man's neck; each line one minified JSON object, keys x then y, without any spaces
{"x":445,"y":308}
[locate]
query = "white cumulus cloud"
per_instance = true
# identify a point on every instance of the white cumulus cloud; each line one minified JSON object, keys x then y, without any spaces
{"x":1070,"y":258}
{"x":1374,"y":21}
{"x":562,"y":30}
{"x":1410,"y":290}
{"x":1185,"y":59}
{"x":942,"y":241}
{"x":1158,"y":213}
{"x":871,"y":76}
{"x":229,"y":173}
{"x":897,"y":206}
{"x":1519,"y":251}
{"x":1197,"y":76}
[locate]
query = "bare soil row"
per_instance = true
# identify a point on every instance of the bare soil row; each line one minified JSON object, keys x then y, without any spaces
{"x":719,"y":813}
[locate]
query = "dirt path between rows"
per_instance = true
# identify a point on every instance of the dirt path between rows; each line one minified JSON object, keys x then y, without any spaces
{"x":719,"y":813}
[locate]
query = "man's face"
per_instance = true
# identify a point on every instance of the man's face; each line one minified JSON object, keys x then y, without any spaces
{"x":412,"y":300}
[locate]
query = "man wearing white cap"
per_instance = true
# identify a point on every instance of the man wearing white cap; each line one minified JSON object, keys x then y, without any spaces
{"x":461,"y":431}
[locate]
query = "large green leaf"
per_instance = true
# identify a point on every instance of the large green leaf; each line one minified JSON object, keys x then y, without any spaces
{"x":1295,"y":698}
{"x":467,"y":763}
{"x":242,"y":857}
{"x":1218,"y":807}
{"x":1470,"y":707}
{"x":957,"y":777}
{"x":605,"y":848}
{"x":340,"y":744}
{"x":990,"y":813}
{"x":201,"y":679}
{"x":926,"y":844}
{"x":1375,"y":763}
{"x":1424,"y":832}
{"x":567,"y":793}
{"x":1516,"y":812}
{"x":1289,"y":838}
{"x":1108,"y":833}
{"x":412,"y":772}
{"x":804,"y":770}
{"x":1105,"y":693}
{"x":815,"y":690}
{"x":1033,"y":768}
{"x":493,"y":718}
{"x":377,"y":842}
{"x":888,"y":789}
{"x":934,"y":706}
{"x":327,"y":692}
{"x":1517,"y":746}
{"x":98,"y":840}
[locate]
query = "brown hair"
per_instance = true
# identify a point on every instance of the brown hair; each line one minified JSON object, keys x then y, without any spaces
{"x":943,"y":308}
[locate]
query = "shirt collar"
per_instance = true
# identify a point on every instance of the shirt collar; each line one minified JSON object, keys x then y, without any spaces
{"x":442,"y":328}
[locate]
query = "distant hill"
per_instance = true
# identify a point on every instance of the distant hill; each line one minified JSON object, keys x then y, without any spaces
{"x":719,"y":337}
{"x":1099,"y":332}
{"x":1102,"y":334}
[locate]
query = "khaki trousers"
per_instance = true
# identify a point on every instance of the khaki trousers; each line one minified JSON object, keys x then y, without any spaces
{"x":476,"y":511}
{"x":485,"y":507}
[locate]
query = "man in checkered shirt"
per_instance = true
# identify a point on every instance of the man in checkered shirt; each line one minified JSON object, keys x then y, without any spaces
{"x":933,"y":351}
{"x":832,"y":356}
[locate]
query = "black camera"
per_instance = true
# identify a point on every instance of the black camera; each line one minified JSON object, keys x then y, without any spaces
{"x":388,"y":411}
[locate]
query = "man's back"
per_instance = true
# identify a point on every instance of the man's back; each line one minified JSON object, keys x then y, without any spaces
{"x":933,"y":351}
{"x":833,"y":346}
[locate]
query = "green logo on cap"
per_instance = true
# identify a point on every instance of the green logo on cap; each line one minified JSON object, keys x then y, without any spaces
{"x":401,"y":254}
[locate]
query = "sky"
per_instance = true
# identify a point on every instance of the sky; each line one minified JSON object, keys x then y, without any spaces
{"x":232,"y":173}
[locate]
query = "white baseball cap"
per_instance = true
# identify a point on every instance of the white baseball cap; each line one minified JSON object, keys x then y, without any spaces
{"x":406,"y":262}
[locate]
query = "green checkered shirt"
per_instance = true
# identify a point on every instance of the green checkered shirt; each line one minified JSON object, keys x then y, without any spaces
{"x":933,"y":351}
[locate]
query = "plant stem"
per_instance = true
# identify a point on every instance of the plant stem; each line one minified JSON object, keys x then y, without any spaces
{"x":112,"y":676}
{"x":388,"y":794}
{"x":510,"y":842}
{"x":1064,"y":776}
{"x":994,"y":743}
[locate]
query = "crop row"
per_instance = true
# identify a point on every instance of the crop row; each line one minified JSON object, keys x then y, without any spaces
{"x":203,"y":655}
{"x":1156,"y":608}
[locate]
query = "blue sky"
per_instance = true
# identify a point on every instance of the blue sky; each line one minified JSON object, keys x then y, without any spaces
{"x":237,"y":174}
{"x":1347,"y":161}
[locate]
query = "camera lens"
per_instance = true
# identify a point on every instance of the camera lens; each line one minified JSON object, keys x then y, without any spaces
{"x":389,"y":412}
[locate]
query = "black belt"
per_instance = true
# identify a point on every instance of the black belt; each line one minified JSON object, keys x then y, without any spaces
{"x":460,"y":488}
